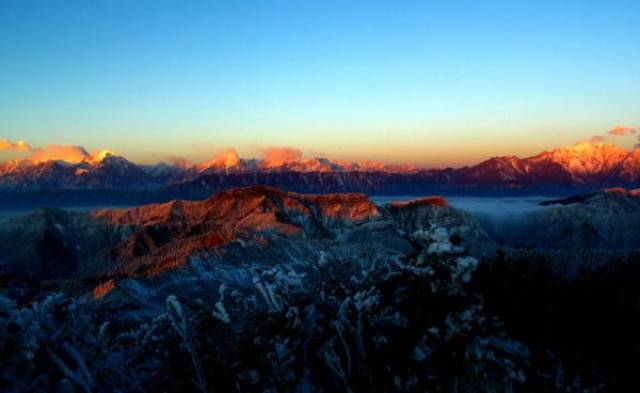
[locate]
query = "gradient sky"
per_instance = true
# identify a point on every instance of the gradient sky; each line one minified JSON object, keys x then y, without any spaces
{"x":431,"y":83}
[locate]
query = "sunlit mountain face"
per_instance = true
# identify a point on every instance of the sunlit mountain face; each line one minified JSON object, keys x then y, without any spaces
{"x":63,"y":175}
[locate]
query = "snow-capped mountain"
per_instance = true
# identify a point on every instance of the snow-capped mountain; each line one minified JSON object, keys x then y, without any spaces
{"x":585,"y":158}
{"x":231,"y":163}
{"x":105,"y":170}
{"x":582,"y":165}
{"x":562,"y":171}
{"x":629,"y":170}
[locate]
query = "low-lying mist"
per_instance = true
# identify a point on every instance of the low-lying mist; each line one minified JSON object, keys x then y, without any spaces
{"x":502,"y":218}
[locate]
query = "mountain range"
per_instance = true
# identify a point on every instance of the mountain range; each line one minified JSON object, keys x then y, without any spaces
{"x":109,"y":179}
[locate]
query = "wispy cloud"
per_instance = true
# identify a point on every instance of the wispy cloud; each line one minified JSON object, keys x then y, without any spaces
{"x":68,"y":153}
{"x":617,"y":131}
{"x":229,"y":158}
{"x":622,"y":130}
{"x":20,"y":146}
{"x":278,"y":155}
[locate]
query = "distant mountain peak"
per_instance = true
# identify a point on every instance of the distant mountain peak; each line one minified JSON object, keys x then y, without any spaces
{"x":102,"y":155}
{"x":228,"y":162}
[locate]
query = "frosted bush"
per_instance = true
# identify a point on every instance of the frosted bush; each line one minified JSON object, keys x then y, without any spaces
{"x":335,"y":327}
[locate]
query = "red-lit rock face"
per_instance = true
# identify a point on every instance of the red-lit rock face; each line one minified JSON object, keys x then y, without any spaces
{"x":251,"y":208}
{"x":344,"y":206}
{"x":164,"y":236}
{"x":427,"y":201}
{"x":252,"y":227}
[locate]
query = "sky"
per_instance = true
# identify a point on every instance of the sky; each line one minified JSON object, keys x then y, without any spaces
{"x":433,"y":83}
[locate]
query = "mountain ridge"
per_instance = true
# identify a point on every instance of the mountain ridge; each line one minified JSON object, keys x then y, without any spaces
{"x":263,"y":225}
{"x":568,"y":170}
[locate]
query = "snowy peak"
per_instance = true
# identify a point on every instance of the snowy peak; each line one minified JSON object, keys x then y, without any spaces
{"x":229,"y":162}
{"x":291,"y":160}
{"x":629,"y":170}
{"x":102,"y":155}
{"x":582,"y":165}
{"x":494,"y":171}
{"x":578,"y":168}
{"x":586,"y":158}
{"x":375,"y":166}
{"x":103,"y":170}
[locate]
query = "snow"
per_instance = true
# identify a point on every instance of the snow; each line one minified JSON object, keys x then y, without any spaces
{"x":220,"y":312}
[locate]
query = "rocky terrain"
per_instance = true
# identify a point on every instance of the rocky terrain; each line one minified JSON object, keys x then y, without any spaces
{"x":258,"y":288}
{"x":241,"y":228}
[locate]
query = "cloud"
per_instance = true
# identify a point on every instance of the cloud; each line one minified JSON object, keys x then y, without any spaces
{"x":229,"y":158}
{"x":622,"y":131}
{"x":20,"y":146}
{"x":596,"y":139}
{"x":275,"y":156}
{"x":637,"y":145}
{"x":68,"y":153}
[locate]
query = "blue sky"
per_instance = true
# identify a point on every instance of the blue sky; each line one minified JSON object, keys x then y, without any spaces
{"x":433,"y":83}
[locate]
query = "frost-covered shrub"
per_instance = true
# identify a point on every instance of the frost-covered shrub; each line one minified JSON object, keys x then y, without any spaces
{"x":409,"y":325}
{"x":431,"y":321}
{"x":51,"y":345}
